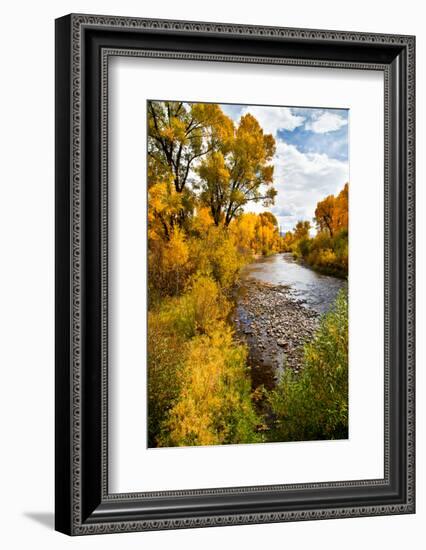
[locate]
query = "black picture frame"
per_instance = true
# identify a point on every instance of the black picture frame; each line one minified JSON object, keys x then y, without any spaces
{"x":83,"y":45}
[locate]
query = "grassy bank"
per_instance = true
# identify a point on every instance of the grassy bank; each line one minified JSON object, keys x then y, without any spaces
{"x":325,"y":254}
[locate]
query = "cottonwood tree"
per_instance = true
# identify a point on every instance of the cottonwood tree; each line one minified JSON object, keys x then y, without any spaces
{"x":238,"y":171}
{"x":301,"y":230}
{"x":341,"y":209}
{"x":324,"y":213}
{"x":331,"y":214}
{"x":180,"y":133}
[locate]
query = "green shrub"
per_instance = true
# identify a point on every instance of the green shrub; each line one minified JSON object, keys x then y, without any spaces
{"x":304,"y":246}
{"x":165,"y":358}
{"x":313,"y":405}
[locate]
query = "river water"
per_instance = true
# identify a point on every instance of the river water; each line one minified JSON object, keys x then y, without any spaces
{"x":314,"y":290}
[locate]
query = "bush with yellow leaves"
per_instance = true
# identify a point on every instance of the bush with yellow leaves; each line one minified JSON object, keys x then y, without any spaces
{"x":171,"y":328}
{"x":214,"y":404}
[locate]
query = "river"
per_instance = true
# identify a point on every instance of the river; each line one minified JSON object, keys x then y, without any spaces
{"x":316,"y":291}
{"x":278,"y":307}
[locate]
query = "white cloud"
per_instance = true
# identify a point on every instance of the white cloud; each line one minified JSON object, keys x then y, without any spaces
{"x":272,"y":119}
{"x":301,"y":180}
{"x":326,"y":122}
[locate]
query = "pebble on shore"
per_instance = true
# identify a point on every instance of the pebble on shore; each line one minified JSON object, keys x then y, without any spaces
{"x":275,"y":326}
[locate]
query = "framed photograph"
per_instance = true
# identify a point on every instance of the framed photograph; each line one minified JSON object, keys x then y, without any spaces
{"x":234,"y":274}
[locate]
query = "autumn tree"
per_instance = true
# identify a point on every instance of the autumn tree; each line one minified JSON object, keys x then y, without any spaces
{"x":238,"y":173}
{"x":243,"y":228}
{"x":301,"y":231}
{"x":165,"y":205}
{"x":269,"y":217}
{"x":324,"y":213}
{"x":341,"y":209}
{"x":256,"y":233}
{"x":267,"y":234}
{"x":288,"y":240}
{"x":328,"y":251}
{"x":180,"y":133}
{"x":331,"y":214}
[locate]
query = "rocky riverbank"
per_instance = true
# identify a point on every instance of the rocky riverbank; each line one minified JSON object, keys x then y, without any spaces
{"x":275,"y":325}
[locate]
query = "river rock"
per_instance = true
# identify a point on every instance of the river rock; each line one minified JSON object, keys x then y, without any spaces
{"x":275,"y":327}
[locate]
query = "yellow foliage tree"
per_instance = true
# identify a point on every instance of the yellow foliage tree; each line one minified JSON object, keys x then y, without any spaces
{"x":324,"y":214}
{"x":239,"y":172}
{"x":301,"y":231}
{"x":328,"y":250}
{"x":180,"y":133}
{"x":244,"y":230}
{"x":256,"y":233}
{"x":217,"y":255}
{"x":331,"y":214}
{"x":341,"y":209}
{"x":168,"y":264}
{"x":165,"y":204}
{"x":201,"y":221}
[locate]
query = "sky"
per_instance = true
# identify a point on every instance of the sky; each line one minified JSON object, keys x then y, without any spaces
{"x":311,"y":159}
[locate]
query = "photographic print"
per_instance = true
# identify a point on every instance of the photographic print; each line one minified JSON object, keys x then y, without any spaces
{"x":248,"y":210}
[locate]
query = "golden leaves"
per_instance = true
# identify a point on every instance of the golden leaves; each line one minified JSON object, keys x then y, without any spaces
{"x":214,"y":405}
{"x":332,"y":213}
{"x":257,"y":233}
